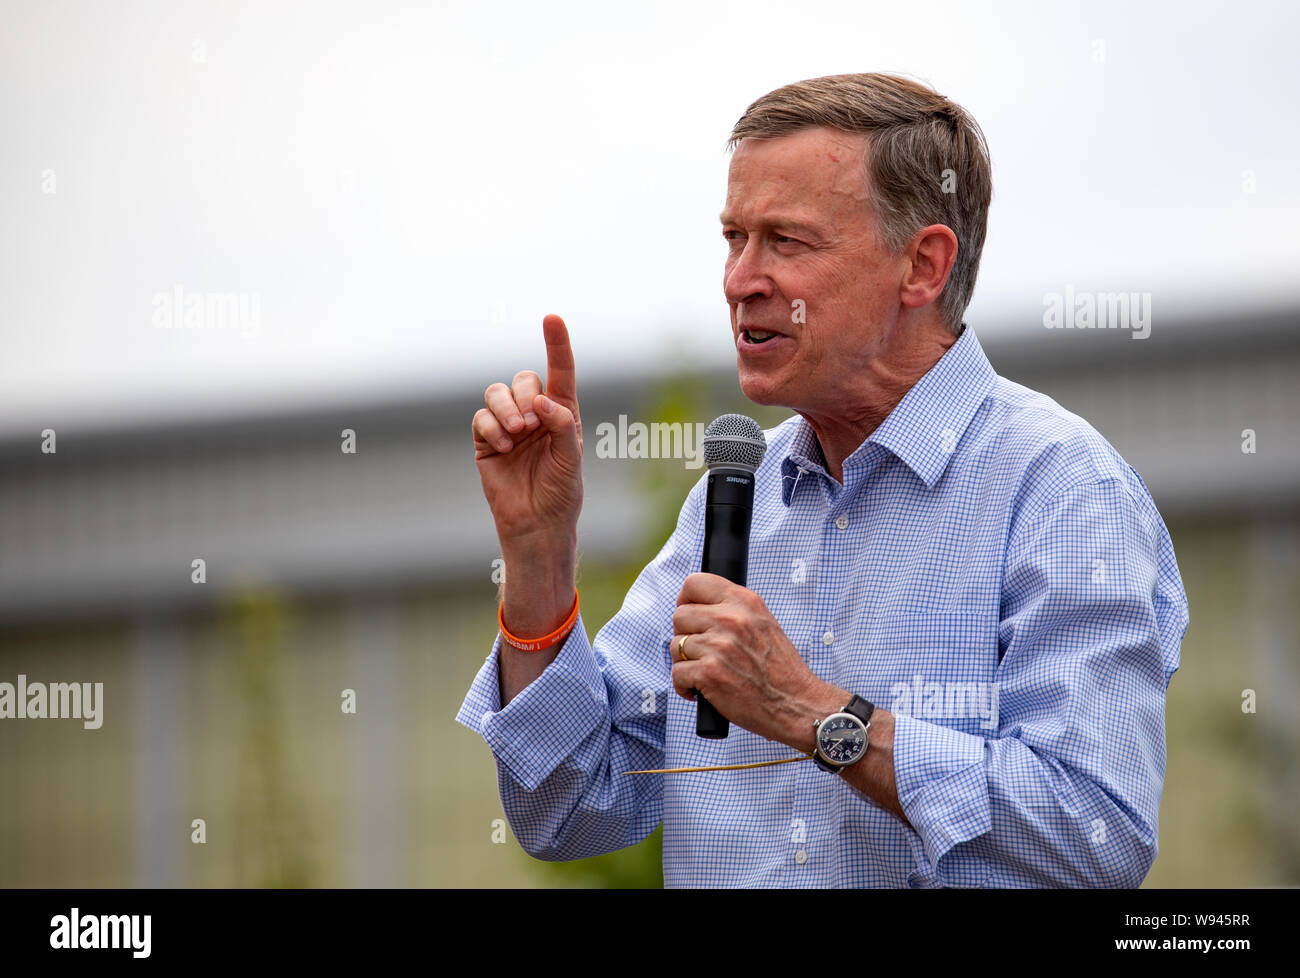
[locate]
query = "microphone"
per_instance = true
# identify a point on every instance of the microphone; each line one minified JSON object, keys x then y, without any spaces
{"x":733,"y":448}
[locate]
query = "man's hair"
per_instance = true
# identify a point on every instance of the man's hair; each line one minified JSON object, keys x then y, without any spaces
{"x":919,"y":145}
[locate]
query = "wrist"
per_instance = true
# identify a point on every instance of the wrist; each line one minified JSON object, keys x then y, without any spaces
{"x":539,"y":582}
{"x":541,"y":543}
{"x":539,"y":643}
{"x":818,"y":700}
{"x":527,"y":615}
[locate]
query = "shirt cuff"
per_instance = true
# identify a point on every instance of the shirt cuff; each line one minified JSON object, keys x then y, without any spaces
{"x":548,"y":719}
{"x":942,"y":789}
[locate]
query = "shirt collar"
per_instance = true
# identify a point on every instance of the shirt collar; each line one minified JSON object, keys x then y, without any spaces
{"x":924,"y":428}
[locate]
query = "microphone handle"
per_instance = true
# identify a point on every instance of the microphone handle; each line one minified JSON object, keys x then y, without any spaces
{"x":727,"y":512}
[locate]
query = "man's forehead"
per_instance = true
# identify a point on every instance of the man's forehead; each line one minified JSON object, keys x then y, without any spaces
{"x":794,"y":180}
{"x":821,"y":148}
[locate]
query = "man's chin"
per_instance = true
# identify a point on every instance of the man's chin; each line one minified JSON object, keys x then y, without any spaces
{"x":760,"y":392}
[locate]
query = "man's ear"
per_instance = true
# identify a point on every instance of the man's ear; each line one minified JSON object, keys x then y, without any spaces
{"x":931,"y":254}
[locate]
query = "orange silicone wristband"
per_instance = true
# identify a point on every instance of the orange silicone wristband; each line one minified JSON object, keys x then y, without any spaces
{"x":546,"y":641}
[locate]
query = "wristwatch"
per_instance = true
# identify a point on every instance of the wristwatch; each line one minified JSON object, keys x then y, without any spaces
{"x":842,"y":737}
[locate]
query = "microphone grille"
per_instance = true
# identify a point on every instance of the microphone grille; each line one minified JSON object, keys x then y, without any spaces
{"x":734,"y":440}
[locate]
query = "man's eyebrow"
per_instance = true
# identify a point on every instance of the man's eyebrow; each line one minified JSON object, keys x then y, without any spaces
{"x":777,"y":220}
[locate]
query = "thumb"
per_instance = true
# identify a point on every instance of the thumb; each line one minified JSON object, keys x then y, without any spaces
{"x":558,"y":420}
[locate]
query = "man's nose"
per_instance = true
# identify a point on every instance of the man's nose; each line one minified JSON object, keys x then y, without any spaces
{"x":746,"y":279}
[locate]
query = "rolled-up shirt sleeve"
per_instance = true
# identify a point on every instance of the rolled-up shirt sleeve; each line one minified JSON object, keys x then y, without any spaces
{"x":1067,"y":791}
{"x":562,"y":744}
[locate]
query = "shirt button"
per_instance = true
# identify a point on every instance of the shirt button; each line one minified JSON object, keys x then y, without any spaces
{"x":842,"y":521}
{"x":801,"y":857}
{"x":828,"y":638}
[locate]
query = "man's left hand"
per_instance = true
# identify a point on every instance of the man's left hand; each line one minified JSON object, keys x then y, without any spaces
{"x":740,"y":659}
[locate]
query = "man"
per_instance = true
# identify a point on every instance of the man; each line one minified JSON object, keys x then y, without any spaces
{"x":967,"y":569}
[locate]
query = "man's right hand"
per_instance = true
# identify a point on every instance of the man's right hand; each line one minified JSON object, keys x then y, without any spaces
{"x":528,"y":448}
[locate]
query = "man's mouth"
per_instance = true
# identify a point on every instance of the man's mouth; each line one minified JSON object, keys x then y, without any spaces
{"x":758,"y":335}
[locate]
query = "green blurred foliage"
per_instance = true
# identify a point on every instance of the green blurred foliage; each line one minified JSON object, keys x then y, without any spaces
{"x":270,"y":835}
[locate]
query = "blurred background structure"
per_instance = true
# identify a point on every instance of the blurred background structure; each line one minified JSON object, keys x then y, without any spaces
{"x":328,"y":571}
{"x":234,"y":230}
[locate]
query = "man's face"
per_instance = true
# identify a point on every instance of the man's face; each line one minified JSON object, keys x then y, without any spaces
{"x":799,"y":227}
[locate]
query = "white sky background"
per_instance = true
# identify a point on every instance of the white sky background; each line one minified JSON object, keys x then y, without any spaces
{"x":378,"y":173}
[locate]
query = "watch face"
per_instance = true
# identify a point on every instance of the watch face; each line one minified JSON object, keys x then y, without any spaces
{"x":842,"y":738}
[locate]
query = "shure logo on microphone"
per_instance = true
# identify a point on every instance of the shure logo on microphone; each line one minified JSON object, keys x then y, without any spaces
{"x":732,"y":478}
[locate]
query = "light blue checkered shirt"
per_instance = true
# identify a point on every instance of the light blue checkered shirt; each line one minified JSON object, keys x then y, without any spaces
{"x":985,"y":542}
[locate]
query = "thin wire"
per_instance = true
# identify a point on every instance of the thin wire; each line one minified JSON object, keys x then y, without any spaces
{"x":726,"y":767}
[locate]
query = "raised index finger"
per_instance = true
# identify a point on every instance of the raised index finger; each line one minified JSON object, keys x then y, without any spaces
{"x":561,"y":384}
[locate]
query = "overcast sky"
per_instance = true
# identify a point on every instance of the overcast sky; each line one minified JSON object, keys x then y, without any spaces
{"x":400,"y":192}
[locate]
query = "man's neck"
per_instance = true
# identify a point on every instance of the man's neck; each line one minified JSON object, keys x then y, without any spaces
{"x":841,"y":438}
{"x":886,"y":383}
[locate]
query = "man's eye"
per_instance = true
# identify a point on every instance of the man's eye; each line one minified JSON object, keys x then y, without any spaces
{"x":779,"y":238}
